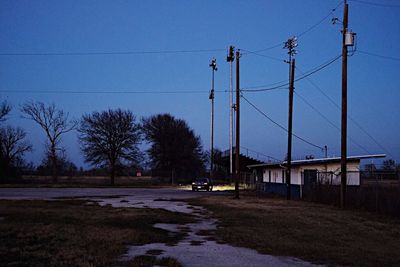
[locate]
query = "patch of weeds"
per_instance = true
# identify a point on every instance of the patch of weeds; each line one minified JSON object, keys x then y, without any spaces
{"x":206,"y":233}
{"x":169,"y":262}
{"x":169,"y":199}
{"x":94,"y":196}
{"x":184,"y":229}
{"x":149,"y":261}
{"x":154,"y":252}
{"x":142,"y":261}
{"x":161,"y":199}
{"x":71,"y":233}
{"x":196,"y":242}
{"x":211,"y":238}
{"x":176,"y":238}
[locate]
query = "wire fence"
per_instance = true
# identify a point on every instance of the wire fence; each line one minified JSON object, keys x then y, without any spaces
{"x":376,"y":191}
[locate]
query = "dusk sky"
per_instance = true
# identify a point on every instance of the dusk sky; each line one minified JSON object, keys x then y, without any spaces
{"x":87,"y":56}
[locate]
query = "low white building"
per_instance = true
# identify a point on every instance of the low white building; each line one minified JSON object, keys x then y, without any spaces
{"x":308,"y":172}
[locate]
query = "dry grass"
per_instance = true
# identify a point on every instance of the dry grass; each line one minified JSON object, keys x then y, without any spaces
{"x":72,"y":233}
{"x":87,"y":181}
{"x":313,"y":232}
{"x":149,"y":260}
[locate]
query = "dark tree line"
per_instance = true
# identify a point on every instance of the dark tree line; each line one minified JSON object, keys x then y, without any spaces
{"x":175,"y":150}
{"x":13,"y":146}
{"x":64,"y":166}
{"x":108,"y":139}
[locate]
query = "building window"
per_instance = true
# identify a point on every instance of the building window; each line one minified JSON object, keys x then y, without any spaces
{"x":276,"y":176}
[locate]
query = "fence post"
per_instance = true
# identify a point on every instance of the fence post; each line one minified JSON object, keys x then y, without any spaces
{"x":376,"y":190}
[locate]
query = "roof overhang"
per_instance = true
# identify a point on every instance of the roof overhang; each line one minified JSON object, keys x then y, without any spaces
{"x":315,"y":161}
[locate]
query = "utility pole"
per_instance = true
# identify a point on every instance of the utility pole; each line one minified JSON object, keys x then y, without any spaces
{"x":214,"y":68}
{"x":343,"y":161}
{"x":237,"y":148}
{"x":290,"y":45}
{"x":230,"y":58}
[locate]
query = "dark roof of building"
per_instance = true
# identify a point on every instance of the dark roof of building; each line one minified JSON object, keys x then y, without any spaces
{"x":315,"y":161}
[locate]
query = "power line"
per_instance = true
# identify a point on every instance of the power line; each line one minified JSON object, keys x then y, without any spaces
{"x":302,"y":33}
{"x":269,"y":48}
{"x":267,"y":85}
{"x":277,"y":124}
{"x":323,"y":66}
{"x":278,"y":87}
{"x":375,"y":3}
{"x":377,"y":55}
{"x":320,"y":21}
{"x":316,"y":110}
{"x":329,"y":121}
{"x":112,"y":52}
{"x":259,"y":153}
{"x":109,"y":92}
{"x":351,"y":119}
{"x":305,"y":75}
{"x":261,"y":55}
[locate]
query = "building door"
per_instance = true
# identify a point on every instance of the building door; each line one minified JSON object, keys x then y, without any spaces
{"x":310,"y":180}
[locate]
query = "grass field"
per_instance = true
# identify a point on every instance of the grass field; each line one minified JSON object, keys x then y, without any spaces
{"x":313,"y":232}
{"x":73,"y":233}
{"x":86,"y":181}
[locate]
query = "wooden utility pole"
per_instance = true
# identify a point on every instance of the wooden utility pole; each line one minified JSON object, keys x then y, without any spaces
{"x":343,"y":180}
{"x":289,"y":152}
{"x":214,"y":68}
{"x":237,"y":148}
{"x":230,"y":58}
{"x":290,"y":45}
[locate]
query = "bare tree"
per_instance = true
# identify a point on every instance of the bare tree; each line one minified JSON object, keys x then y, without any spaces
{"x":54,"y":122}
{"x":5,"y":108}
{"x":109,"y":138}
{"x":12,"y":147}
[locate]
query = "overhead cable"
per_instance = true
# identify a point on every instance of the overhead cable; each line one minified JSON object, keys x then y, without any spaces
{"x":375,"y":3}
{"x":330,"y":122}
{"x":279,"y":125}
{"x":351,"y":118}
{"x":320,"y":21}
{"x":302,"y":33}
{"x":377,"y":55}
{"x":262,"y":55}
{"x":112,"y":52}
{"x":109,"y":91}
{"x":305,"y":75}
{"x":259,"y":153}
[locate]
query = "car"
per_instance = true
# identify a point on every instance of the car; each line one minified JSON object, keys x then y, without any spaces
{"x":202,"y":184}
